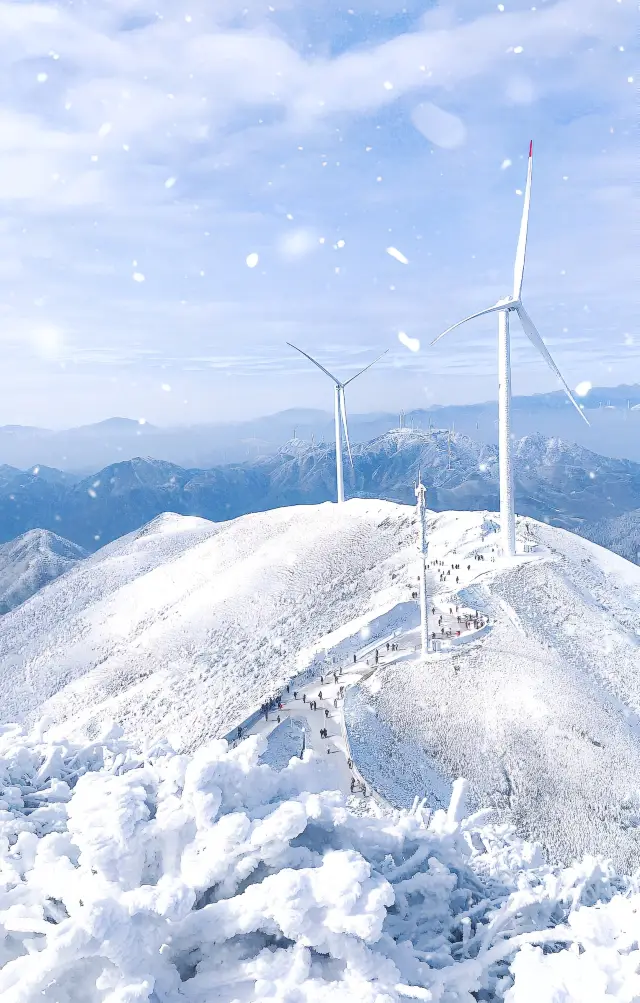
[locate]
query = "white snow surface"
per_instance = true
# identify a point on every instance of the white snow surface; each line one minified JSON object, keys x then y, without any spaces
{"x":186,"y":626}
{"x":141,"y":875}
{"x":542,"y":712}
{"x":31,"y":561}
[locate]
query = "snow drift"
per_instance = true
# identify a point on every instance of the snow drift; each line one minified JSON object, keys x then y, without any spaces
{"x":128,"y":877}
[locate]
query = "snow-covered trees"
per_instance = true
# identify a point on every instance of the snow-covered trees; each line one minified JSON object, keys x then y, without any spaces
{"x":130,"y":876}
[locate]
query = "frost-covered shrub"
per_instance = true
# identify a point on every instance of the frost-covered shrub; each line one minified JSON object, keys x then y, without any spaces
{"x":151,"y":876}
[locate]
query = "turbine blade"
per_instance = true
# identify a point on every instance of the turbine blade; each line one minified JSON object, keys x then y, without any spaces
{"x":481,"y":313}
{"x":343,"y":412}
{"x":326,"y":371}
{"x":533,"y":335}
{"x":521,"y":250}
{"x":365,"y":368}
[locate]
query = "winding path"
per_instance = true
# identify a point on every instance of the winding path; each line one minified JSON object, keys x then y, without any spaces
{"x":325,"y":690}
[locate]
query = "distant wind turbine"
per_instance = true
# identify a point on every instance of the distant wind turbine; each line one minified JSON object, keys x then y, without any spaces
{"x":503,"y":308}
{"x":340,"y":414}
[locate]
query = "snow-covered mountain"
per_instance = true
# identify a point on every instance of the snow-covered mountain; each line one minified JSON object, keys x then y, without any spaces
{"x":542,"y":713}
{"x":559,"y":482}
{"x":614,"y":414}
{"x":30,"y":562}
{"x":185,"y":627}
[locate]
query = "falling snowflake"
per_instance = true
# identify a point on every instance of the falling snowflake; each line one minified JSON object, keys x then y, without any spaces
{"x":104,"y":129}
{"x":166,"y":386}
{"x":505,"y":163}
{"x":170,"y":182}
{"x":413,"y":344}
{"x":42,"y":78}
{"x":138,"y":277}
{"x":583,"y":388}
{"x":252,"y":260}
{"x":398,"y":255}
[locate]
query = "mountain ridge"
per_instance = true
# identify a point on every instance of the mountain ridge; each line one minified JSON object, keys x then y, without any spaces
{"x":555,"y":481}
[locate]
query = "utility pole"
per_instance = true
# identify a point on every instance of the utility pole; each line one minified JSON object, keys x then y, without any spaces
{"x":421,"y":493}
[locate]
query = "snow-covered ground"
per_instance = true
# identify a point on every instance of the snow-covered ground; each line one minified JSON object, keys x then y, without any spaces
{"x":186,"y":627}
{"x":146,"y":876}
{"x":541,"y":713}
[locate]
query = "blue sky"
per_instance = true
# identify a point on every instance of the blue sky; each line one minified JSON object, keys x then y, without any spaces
{"x":148,"y":148}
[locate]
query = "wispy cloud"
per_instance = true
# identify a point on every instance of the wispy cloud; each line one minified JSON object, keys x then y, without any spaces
{"x":185,"y":136}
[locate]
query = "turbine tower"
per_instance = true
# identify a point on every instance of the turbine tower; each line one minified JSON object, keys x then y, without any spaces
{"x":340,"y":414}
{"x":504,"y":307}
{"x":421,"y":492}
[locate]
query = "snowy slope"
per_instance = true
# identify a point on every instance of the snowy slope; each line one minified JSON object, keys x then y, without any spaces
{"x":186,"y":626}
{"x":541,"y":714}
{"x":32,"y":560}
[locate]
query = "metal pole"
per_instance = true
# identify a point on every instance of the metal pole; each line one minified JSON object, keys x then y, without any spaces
{"x":339,"y":473}
{"x":507,"y":512}
{"x":424,"y":547}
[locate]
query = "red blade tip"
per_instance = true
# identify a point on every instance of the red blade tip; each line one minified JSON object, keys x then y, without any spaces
{"x":531,"y":148}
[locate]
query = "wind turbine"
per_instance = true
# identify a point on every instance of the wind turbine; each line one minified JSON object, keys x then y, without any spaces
{"x":513,"y":304}
{"x":340,"y":414}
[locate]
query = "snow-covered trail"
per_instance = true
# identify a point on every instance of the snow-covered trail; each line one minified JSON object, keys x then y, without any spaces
{"x":319,"y":703}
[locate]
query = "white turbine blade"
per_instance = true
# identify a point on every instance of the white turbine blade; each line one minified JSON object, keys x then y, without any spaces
{"x":521,"y":250}
{"x":343,"y":412}
{"x":365,"y":368}
{"x":326,"y":371}
{"x":481,"y":313}
{"x":533,"y":335}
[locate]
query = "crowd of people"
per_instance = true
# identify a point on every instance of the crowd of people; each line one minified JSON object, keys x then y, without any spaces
{"x":464,"y":619}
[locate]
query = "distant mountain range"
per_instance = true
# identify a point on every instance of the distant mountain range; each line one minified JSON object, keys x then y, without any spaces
{"x":561,"y":483}
{"x":614,"y":413}
{"x":30,"y":562}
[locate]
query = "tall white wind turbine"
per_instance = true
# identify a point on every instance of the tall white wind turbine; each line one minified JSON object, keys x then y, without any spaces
{"x":340,"y":414}
{"x":513,"y":304}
